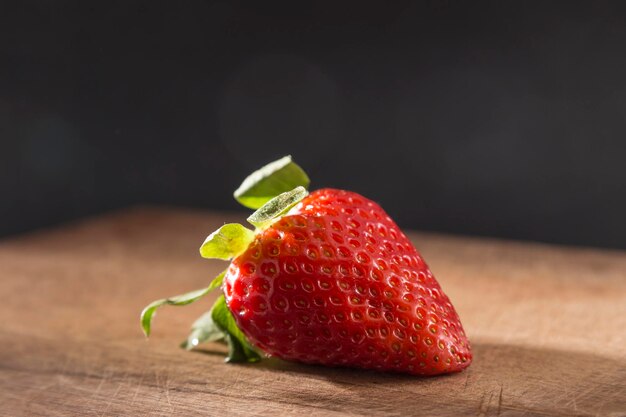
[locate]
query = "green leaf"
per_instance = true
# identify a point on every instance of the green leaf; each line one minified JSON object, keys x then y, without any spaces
{"x":217,"y":281}
{"x":239,"y":348}
{"x":227,"y":242}
{"x":178,"y":300}
{"x":219,"y":325}
{"x":203,"y":330}
{"x":276,"y":207}
{"x":273,"y":179}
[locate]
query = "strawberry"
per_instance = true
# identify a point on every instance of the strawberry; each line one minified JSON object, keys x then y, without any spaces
{"x":326,"y":278}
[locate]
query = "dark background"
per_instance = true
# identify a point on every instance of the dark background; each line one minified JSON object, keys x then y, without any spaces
{"x":491,"y":118}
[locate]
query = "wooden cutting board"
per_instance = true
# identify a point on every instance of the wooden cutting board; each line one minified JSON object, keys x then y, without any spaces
{"x":547,"y":324}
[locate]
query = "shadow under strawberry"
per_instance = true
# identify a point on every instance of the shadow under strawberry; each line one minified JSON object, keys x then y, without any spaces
{"x":504,"y":380}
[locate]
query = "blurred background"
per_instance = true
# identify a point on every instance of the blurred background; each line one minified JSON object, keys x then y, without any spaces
{"x":497,"y":118}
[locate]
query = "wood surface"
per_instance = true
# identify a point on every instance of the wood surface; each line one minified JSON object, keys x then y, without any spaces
{"x":547,"y":324}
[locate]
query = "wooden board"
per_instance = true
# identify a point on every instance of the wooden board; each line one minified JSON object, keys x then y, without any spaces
{"x":547,"y":323}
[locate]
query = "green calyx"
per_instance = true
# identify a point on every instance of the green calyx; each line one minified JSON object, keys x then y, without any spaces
{"x":272,"y":190}
{"x":227,"y":242}
{"x":218,"y":325}
{"x":273,"y":179}
{"x":276,"y":207}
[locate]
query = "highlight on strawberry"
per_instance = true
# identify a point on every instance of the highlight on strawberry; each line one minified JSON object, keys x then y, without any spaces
{"x":325,"y":278}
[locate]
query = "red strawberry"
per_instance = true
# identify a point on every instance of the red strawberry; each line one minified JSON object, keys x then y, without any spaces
{"x":335,"y":282}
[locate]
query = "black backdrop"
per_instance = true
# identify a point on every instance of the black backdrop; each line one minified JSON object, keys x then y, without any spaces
{"x":493,"y":118}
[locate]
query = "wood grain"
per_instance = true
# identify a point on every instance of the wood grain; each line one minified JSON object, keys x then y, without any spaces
{"x":547,"y":323}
